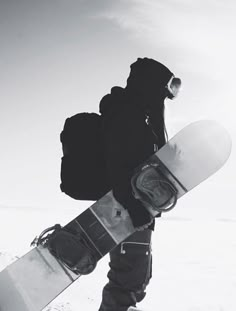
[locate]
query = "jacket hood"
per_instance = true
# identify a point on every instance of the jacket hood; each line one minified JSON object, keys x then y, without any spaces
{"x":146,"y":89}
{"x":148,"y":78}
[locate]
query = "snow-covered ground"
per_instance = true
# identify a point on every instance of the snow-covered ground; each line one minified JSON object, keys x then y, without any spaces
{"x":194,"y":266}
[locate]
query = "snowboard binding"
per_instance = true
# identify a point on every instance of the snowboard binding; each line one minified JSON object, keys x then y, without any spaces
{"x":71,"y":250}
{"x":153,"y":189}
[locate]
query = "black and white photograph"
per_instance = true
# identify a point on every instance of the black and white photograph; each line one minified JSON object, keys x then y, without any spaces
{"x":117,"y":161}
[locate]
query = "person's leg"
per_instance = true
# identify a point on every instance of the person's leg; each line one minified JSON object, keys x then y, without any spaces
{"x":130,"y":272}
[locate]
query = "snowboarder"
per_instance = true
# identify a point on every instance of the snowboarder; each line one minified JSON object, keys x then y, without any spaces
{"x":133,"y":129}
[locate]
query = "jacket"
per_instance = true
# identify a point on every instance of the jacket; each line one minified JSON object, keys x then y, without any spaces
{"x":129,"y":140}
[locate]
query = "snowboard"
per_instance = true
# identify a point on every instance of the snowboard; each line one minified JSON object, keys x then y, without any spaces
{"x":37,"y":278}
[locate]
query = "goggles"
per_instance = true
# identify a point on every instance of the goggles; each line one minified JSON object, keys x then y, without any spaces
{"x":173,"y":87}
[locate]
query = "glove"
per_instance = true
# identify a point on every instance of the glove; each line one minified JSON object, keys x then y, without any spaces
{"x":140,"y":217}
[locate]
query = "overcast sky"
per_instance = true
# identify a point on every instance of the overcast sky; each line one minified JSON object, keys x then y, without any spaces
{"x":59,"y":57}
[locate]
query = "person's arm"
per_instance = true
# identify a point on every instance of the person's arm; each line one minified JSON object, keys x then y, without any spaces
{"x":123,"y":143}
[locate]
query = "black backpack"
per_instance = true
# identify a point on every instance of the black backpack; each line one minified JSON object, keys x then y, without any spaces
{"x":83,"y":171}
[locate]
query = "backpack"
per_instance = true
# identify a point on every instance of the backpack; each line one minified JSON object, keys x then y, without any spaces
{"x":83,"y":167}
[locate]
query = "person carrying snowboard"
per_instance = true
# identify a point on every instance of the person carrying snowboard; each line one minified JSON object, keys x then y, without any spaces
{"x":133,"y":128}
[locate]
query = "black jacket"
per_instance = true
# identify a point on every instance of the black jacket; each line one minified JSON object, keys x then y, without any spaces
{"x":129,"y":140}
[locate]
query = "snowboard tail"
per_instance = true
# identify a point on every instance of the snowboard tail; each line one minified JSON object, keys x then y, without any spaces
{"x":30,"y":282}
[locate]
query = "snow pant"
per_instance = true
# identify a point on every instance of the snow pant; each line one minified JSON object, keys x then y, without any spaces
{"x":129,"y":274}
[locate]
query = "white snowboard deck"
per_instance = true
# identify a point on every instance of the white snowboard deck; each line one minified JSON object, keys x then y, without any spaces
{"x":20,"y":293}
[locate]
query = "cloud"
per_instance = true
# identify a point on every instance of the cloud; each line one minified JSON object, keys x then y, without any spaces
{"x":195,"y":38}
{"x":203,"y":28}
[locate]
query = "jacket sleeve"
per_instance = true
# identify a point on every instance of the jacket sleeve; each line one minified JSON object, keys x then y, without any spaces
{"x":124,"y":143}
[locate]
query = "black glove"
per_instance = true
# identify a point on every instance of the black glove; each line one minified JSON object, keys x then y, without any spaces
{"x":139,"y":215}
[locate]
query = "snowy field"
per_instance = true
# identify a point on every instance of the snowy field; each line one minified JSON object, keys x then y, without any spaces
{"x":194,"y":252}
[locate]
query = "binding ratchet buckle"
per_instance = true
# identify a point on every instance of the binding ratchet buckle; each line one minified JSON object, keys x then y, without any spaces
{"x":71,"y":250}
{"x":153,"y":189}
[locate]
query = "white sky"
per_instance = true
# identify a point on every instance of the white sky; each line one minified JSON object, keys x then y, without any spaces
{"x":58,"y":58}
